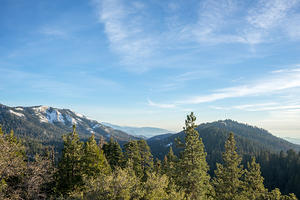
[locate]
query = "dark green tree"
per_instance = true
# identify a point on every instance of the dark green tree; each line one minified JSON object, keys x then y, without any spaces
{"x":139,"y":153}
{"x":253,"y":182}
{"x":227,"y":181}
{"x":170,"y":165}
{"x":113,"y":154}
{"x":94,"y":160}
{"x":71,"y":169}
{"x":193,"y":169}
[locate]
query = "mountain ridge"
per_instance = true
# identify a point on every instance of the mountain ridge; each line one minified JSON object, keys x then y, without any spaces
{"x":49,"y":123}
{"x":214,"y":134}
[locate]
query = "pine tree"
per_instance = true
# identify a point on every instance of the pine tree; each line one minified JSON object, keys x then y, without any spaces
{"x":227,"y":183}
{"x":253,"y":182}
{"x":170,"y":164}
{"x":94,"y":160}
{"x":70,"y":170}
{"x":139,"y":153}
{"x":193,"y":169}
{"x":113,"y":154}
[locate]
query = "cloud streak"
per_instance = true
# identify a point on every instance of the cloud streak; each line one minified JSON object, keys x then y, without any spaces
{"x":280,"y":81}
{"x":151,"y":103}
{"x":139,"y":40}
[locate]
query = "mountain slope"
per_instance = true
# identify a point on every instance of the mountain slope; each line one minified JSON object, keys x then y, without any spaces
{"x":139,"y":131}
{"x":49,"y":124}
{"x":249,"y":139}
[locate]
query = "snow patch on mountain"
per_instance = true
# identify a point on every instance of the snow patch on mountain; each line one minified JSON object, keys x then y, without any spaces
{"x":54,"y":115}
{"x":19,"y":109}
{"x":96,"y":126}
{"x":40,"y":109}
{"x":168,"y":145}
{"x":17,"y":113}
{"x":79,"y":115}
{"x":71,"y":119}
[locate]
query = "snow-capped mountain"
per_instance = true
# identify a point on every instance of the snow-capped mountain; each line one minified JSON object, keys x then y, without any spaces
{"x":44,"y":122}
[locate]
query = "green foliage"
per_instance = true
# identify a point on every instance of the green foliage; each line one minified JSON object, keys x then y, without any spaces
{"x":139,"y":152}
{"x":170,"y":165}
{"x":121,"y":184}
{"x":94,"y":160}
{"x":192,"y":173}
{"x":113,"y":154}
{"x":71,"y":169}
{"x":227,"y":183}
{"x":253,"y":182}
{"x":12,"y":165}
{"x":157,"y":187}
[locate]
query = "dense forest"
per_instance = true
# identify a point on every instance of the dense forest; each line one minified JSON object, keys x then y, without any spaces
{"x":103,"y":170}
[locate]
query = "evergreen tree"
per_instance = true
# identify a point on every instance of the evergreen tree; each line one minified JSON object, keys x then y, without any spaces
{"x":139,"y":153}
{"x":170,"y":165}
{"x":113,"y":154}
{"x":253,"y":182}
{"x":193,"y":168}
{"x":227,"y":183}
{"x":70,"y":169}
{"x":94,"y":160}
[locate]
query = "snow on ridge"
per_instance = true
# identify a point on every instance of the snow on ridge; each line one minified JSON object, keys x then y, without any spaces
{"x":41,"y":109}
{"x":79,"y":115}
{"x":17,"y":113}
{"x":19,"y":109}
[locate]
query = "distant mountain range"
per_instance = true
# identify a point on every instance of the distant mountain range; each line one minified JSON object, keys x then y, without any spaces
{"x":49,"y":124}
{"x":145,"y":132}
{"x":293,"y":140}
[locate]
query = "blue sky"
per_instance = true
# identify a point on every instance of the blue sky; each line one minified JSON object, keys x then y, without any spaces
{"x":149,"y":63}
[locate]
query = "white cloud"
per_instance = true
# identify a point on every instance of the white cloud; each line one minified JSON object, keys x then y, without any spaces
{"x":151,"y":103}
{"x":124,"y":27}
{"x":218,"y":22}
{"x":267,"y":85}
{"x":141,"y":39}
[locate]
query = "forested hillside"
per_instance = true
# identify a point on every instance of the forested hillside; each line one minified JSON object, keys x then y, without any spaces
{"x":91,"y":170}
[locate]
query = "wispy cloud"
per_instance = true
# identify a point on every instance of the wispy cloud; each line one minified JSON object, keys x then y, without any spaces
{"x":56,"y":32}
{"x":273,"y":83}
{"x":138,"y":39}
{"x":271,"y":106}
{"x":151,"y":103}
{"x":124,"y":27}
{"x":267,"y":85}
{"x":217,"y":23}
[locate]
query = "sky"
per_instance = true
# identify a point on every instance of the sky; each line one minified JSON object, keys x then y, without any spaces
{"x":150,"y":63}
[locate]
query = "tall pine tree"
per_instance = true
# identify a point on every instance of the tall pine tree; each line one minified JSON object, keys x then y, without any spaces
{"x":94,"y":160}
{"x":193,"y":169}
{"x":253,"y":181}
{"x":70,"y":169}
{"x":227,"y":183}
